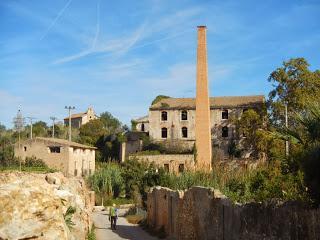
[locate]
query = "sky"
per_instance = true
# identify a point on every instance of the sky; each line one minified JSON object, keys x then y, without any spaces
{"x":117,"y":56}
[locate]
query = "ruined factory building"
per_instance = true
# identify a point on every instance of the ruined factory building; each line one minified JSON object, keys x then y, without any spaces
{"x":73,"y":159}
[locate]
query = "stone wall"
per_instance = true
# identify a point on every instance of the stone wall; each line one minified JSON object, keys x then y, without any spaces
{"x":172,"y":161}
{"x":204,"y":213}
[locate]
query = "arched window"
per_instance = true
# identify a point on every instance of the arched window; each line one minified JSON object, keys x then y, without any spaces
{"x":225,"y":131}
{"x":164,"y":116}
{"x":142,"y":127}
{"x":184,"y":132}
{"x":164,"y":132}
{"x":184,"y":115}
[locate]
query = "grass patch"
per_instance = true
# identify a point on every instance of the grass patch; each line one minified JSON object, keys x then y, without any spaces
{"x":28,"y":169}
{"x":92,"y":234}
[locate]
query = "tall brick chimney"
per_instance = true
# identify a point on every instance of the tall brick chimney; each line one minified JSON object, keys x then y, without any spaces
{"x":203,"y":129}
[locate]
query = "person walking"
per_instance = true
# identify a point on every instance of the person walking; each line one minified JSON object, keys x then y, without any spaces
{"x":113,"y":216}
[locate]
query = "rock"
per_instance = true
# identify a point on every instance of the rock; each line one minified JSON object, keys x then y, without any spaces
{"x":53,"y":180}
{"x":32,"y":206}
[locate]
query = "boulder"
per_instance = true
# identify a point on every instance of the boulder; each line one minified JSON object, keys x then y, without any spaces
{"x":31,"y":206}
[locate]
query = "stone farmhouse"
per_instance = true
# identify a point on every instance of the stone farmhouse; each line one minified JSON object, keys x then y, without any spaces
{"x":79,"y":119}
{"x":73,"y":159}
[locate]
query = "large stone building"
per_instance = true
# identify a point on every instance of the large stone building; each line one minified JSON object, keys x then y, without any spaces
{"x":73,"y":159}
{"x":174,"y":119}
{"x":79,"y":119}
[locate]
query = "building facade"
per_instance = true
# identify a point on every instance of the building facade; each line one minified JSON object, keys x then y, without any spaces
{"x":79,"y":119}
{"x":73,"y":159}
{"x":173,"y":119}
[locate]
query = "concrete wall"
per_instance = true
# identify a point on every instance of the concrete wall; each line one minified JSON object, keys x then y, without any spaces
{"x":204,"y":213}
{"x":172,"y":160}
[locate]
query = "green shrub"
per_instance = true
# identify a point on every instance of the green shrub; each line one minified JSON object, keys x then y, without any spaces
{"x":91,"y":234}
{"x":68,"y":216}
{"x":107,"y":181}
{"x":34,"y":162}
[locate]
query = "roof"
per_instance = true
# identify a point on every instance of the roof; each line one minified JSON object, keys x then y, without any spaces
{"x":76,"y":115}
{"x":62,"y":142}
{"x":215,"y":102}
{"x":142,"y":119}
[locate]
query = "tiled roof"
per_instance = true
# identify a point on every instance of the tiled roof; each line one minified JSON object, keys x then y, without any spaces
{"x":62,"y":142}
{"x":142,"y":119}
{"x":76,"y":115}
{"x":215,"y":102}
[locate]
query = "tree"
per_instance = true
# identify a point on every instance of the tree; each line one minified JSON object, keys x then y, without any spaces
{"x":40,"y":129}
{"x":159,"y":98}
{"x":92,"y":131}
{"x":104,"y":133}
{"x":307,"y":137}
{"x":251,"y":125}
{"x":295,"y":85}
{"x":111,"y":124}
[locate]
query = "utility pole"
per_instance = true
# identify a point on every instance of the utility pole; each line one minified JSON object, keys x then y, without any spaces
{"x":18,"y":122}
{"x":53,"y":120}
{"x":31,"y":118}
{"x":286,"y":122}
{"x":69,"y":108}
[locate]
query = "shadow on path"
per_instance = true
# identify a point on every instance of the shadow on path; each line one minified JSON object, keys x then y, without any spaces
{"x":124,"y":229}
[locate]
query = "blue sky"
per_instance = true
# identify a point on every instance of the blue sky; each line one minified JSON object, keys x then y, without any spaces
{"x":118,"y":55}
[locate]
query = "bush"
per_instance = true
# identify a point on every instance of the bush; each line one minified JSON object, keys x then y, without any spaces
{"x":34,"y":162}
{"x":107,"y":181}
{"x":91,"y":234}
{"x":311,"y":167}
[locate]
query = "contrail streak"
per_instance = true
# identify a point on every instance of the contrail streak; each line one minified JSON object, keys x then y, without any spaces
{"x":56,"y":19}
{"x":94,"y":42}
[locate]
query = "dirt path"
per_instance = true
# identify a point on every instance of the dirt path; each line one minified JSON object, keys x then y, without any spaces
{"x":124,"y":230}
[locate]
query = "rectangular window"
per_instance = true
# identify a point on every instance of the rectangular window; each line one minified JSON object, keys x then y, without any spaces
{"x":25,"y":148}
{"x":54,"y":149}
{"x":225,"y":132}
{"x":75,"y":169}
{"x":166,"y":167}
{"x":164,"y":132}
{"x":181,"y":168}
{"x":184,"y":115}
{"x":225,"y":114}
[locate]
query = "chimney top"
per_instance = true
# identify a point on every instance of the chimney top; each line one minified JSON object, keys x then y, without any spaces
{"x":203,"y":26}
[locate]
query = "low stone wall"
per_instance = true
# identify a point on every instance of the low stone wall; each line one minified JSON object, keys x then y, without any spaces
{"x":173,"y":161}
{"x":204,"y":213}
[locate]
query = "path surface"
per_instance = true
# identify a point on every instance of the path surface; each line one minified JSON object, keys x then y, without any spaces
{"x":124,"y":230}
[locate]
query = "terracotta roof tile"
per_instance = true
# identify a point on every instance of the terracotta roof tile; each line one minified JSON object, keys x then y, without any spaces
{"x":76,"y":115}
{"x":215,"y":102}
{"x":63,"y":142}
